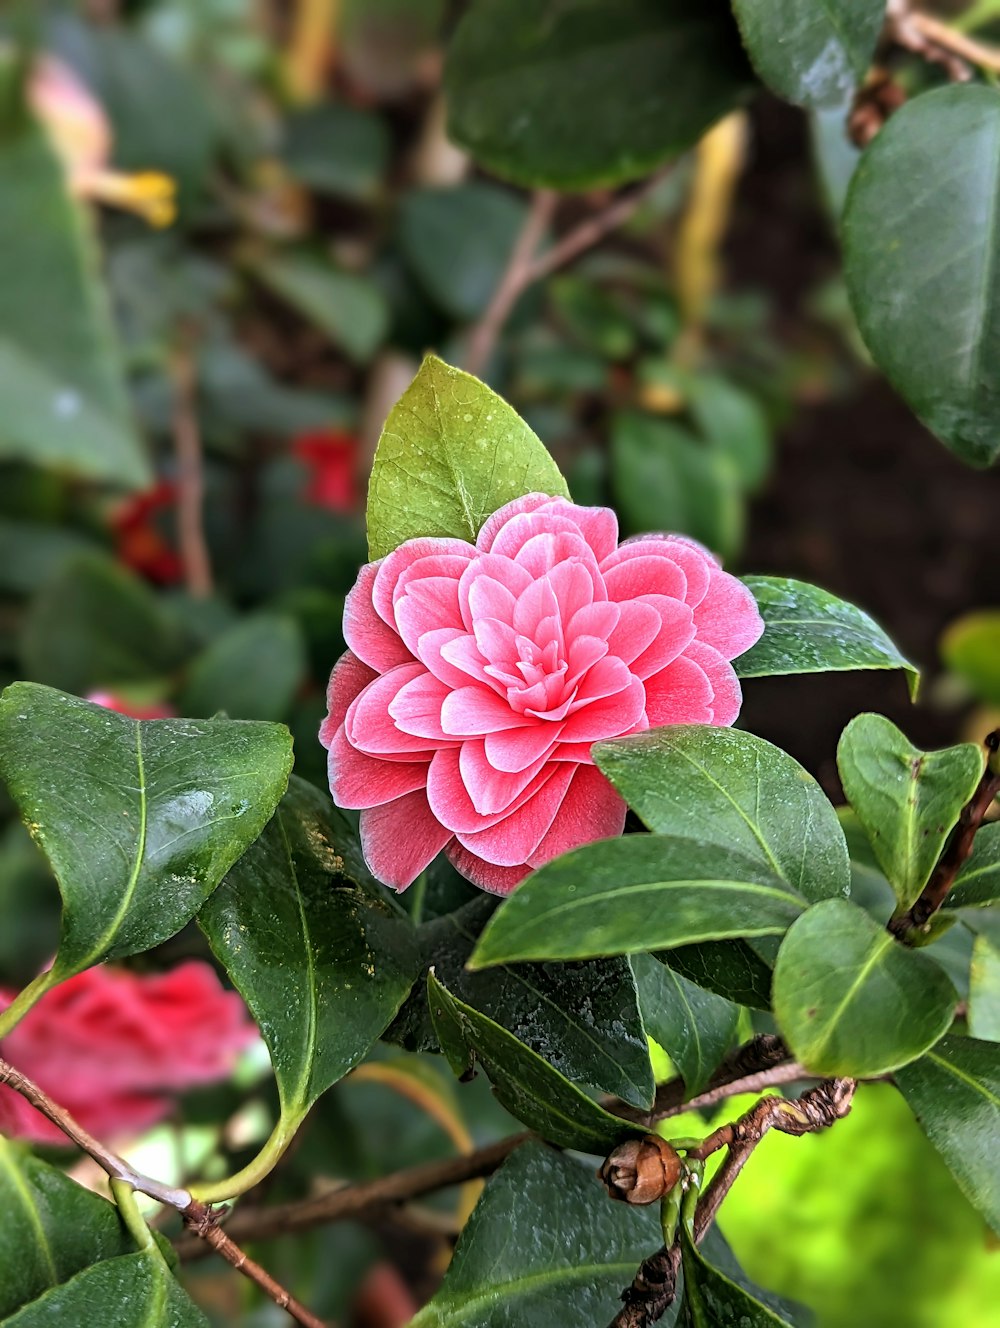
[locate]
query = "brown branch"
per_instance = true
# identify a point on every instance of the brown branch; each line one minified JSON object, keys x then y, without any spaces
{"x":932,"y":41}
{"x":956,"y":851}
{"x":190,"y":475}
{"x":515,"y":279}
{"x":355,"y":1200}
{"x":203,"y":1220}
{"x":956,"y":43}
{"x":652,"y":1291}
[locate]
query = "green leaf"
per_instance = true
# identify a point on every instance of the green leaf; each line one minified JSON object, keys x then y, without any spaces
{"x":592,"y":93}
{"x":458,"y":241}
{"x":663,"y":478}
{"x":504,"y":1273}
{"x":528,"y":1086}
{"x":643,"y":892}
{"x":729,"y":788}
{"x":907,"y":800}
{"x":138,"y":1289}
{"x":251,"y":671}
{"x":33,"y":552}
{"x":321,"y":958}
{"x":451,"y":453}
{"x":977,"y":883}
{"x":582,"y":1018}
{"x":733,"y":422}
{"x":712,"y":1299}
{"x":347,"y":307}
{"x":971,"y":648}
{"x":954,"y":1092}
{"x":60,"y":378}
{"x":337,"y":149}
{"x":807,"y":630}
{"x":850,"y":1000}
{"x":52,"y":1227}
{"x":728,"y":968}
{"x":812,"y":52}
{"x":921,"y":265}
{"x":139,"y":819}
{"x":96,"y":625}
{"x":693,"y":1026}
{"x":984,"y":990}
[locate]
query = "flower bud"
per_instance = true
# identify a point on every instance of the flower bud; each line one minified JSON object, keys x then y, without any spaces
{"x":641,"y":1171}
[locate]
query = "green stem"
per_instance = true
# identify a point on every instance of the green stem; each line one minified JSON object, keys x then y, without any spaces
{"x":23,"y":1002}
{"x":987,"y":11}
{"x":254,"y":1172}
{"x":131,"y":1216}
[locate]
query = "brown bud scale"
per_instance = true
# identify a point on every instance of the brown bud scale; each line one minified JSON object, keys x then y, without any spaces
{"x":641,"y":1171}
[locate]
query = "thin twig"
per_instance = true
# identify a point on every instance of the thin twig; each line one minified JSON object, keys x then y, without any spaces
{"x":957,"y":850}
{"x":190,"y":474}
{"x":203,"y":1220}
{"x":652,"y":1291}
{"x":515,"y":278}
{"x":908,"y":28}
{"x":966,"y":48}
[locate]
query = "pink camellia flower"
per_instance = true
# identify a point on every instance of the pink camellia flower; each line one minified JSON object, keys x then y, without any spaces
{"x":477,"y":678}
{"x":112,"y":1047}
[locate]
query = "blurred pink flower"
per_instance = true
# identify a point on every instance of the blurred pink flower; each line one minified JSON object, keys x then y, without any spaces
{"x":134,"y":711}
{"x":112,"y":1047}
{"x":477,"y":678}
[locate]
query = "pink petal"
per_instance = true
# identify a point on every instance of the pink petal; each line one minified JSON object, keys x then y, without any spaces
{"x":591,"y":810}
{"x":638,"y":627}
{"x":416,"y":707}
{"x":463,"y":652}
{"x":608,"y":717}
{"x":429,"y":652}
{"x":598,"y":619}
{"x":676,"y":631}
{"x":516,"y":749}
{"x":502,"y":570}
{"x":515,"y":533}
{"x":576,"y":589}
{"x":368,"y":723}
{"x":599,"y":525}
{"x":534,"y":604}
{"x":679,"y":694}
{"x":367,"y":635}
{"x":429,"y":603}
{"x":548,"y":549}
{"x":492,"y":790}
{"x":728,"y":617}
{"x":608,"y":675}
{"x":349,"y":678}
{"x":529,"y":503}
{"x":401,"y":838}
{"x":393,"y":565}
{"x":357,"y":780}
{"x":449,"y":796}
{"x":497,"y":642}
{"x":584,"y":653}
{"x":646,"y":575}
{"x":512,"y":841}
{"x":471,"y":711}
{"x":433,"y":567}
{"x":727,"y":694}
{"x":497,"y":880}
{"x":490,"y":598}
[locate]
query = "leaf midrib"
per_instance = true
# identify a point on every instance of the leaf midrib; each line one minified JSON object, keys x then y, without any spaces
{"x":300,"y":1096}
{"x":34,"y":1217}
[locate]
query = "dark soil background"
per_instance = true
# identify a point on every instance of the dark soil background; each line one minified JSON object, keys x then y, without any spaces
{"x":862,"y":499}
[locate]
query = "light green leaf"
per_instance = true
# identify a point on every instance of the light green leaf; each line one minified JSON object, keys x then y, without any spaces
{"x":807,"y":630}
{"x":321,"y":958}
{"x":138,"y":1290}
{"x":139,"y":819}
{"x":528,"y":1086}
{"x":643,"y":892}
{"x":729,"y":788}
{"x":812,"y":52}
{"x":251,"y":671}
{"x":693,"y":1026}
{"x":451,"y":453}
{"x":503,"y":1274}
{"x":971,"y":648}
{"x":348,"y":307}
{"x":977,"y":884}
{"x":907,"y":800}
{"x":63,"y":395}
{"x":850,"y":1000}
{"x":954,"y":1092}
{"x":921,"y":264}
{"x":597,"y":92}
{"x":984,"y":990}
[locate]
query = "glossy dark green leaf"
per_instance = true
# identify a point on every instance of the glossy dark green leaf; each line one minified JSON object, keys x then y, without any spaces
{"x":664,"y":478}
{"x":139,"y":819}
{"x":95,"y":625}
{"x":348,"y":307}
{"x":977,"y":884}
{"x":808,"y":630}
{"x":52,"y":1227}
{"x":812,"y":52}
{"x":712,"y":1299}
{"x":504,"y":1272}
{"x":984,"y":990}
{"x":907,"y":800}
{"x":60,"y":377}
{"x":337,"y":149}
{"x":594,"y":93}
{"x":729,"y":788}
{"x":954,"y":1092}
{"x":321,"y":958}
{"x":458,"y":242}
{"x":132,"y":1291}
{"x":920,"y":264}
{"x":582,"y":1018}
{"x":643,"y":892}
{"x":528,"y":1086}
{"x":693,"y":1026}
{"x":732,"y":969}
{"x":451,"y":453}
{"x":850,"y":1000}
{"x":252,"y":671}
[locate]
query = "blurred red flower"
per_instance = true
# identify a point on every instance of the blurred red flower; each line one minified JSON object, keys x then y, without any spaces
{"x":330,"y":455}
{"x":113,"y":1047}
{"x":139,"y":542}
{"x":122,"y":707}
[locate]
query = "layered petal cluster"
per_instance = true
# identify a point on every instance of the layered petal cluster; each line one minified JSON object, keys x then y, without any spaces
{"x":478,"y":677}
{"x":112,"y":1047}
